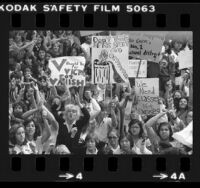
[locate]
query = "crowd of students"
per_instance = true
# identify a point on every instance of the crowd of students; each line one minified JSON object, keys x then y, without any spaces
{"x":47,"y":119}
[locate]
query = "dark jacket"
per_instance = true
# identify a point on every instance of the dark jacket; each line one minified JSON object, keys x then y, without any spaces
{"x":64,"y":137}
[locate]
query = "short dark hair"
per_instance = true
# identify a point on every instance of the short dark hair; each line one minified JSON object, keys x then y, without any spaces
{"x":179,"y":40}
{"x":113,"y":130}
{"x":124,"y":136}
{"x":42,"y":78}
{"x":92,"y":136}
{"x":37,"y":131}
{"x":20,"y":103}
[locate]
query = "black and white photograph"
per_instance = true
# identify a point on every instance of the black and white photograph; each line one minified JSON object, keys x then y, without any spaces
{"x":100,"y":92}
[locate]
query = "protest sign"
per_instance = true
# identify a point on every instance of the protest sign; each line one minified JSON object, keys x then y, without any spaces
{"x":86,"y":33}
{"x":71,"y":67}
{"x":147,"y":92}
{"x":185,"y":136}
{"x":185,"y":58}
{"x":136,"y":68}
{"x":108,"y":55}
{"x":101,"y":73}
{"x":145,"y":45}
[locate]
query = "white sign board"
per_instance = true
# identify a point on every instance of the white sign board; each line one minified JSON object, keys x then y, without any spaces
{"x":72,"y":67}
{"x":147,"y":92}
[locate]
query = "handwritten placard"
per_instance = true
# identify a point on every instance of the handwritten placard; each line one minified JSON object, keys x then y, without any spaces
{"x":136,"y":68}
{"x":147,"y":92}
{"x":145,"y":45}
{"x":102,"y":73}
{"x":109,"y":52}
{"x":72,"y":67}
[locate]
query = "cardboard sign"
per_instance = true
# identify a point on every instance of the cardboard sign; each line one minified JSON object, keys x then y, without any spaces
{"x":71,"y":67}
{"x":185,"y":58}
{"x":86,"y":33}
{"x":101,"y":73}
{"x":145,"y":45}
{"x":108,"y":55}
{"x":137,"y":68}
{"x":147,"y":92}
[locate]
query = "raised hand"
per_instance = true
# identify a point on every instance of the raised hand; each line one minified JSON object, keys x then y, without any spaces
{"x":172,"y":114}
{"x":44,"y":114}
{"x":35,"y":87}
{"x":73,"y":132}
{"x":21,"y":91}
{"x":164,"y":111}
{"x":77,"y":99}
{"x":126,"y":94}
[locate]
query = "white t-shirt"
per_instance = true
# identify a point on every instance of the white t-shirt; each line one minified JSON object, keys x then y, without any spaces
{"x":116,"y":151}
{"x":138,"y":145}
{"x":89,"y":153}
{"x":32,"y":144}
{"x":24,"y":149}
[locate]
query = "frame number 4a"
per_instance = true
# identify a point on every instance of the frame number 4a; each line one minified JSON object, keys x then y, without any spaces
{"x":174,"y":176}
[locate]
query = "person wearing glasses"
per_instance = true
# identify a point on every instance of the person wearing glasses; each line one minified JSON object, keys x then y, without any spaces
{"x":112,"y":147}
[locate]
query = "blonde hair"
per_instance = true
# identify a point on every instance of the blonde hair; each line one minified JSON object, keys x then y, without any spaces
{"x":75,"y":107}
{"x":62,"y":149}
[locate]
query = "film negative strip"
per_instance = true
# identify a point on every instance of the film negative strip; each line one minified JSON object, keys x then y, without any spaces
{"x":99,"y":92}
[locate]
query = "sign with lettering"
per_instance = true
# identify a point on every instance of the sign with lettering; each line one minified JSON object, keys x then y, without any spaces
{"x":72,"y":67}
{"x":108,"y":55}
{"x":101,"y":72}
{"x":147,"y":92}
{"x":145,"y":44}
{"x":136,"y":68}
{"x":185,"y":58}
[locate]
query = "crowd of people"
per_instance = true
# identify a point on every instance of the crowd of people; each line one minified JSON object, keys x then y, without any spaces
{"x":48,"y":119}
